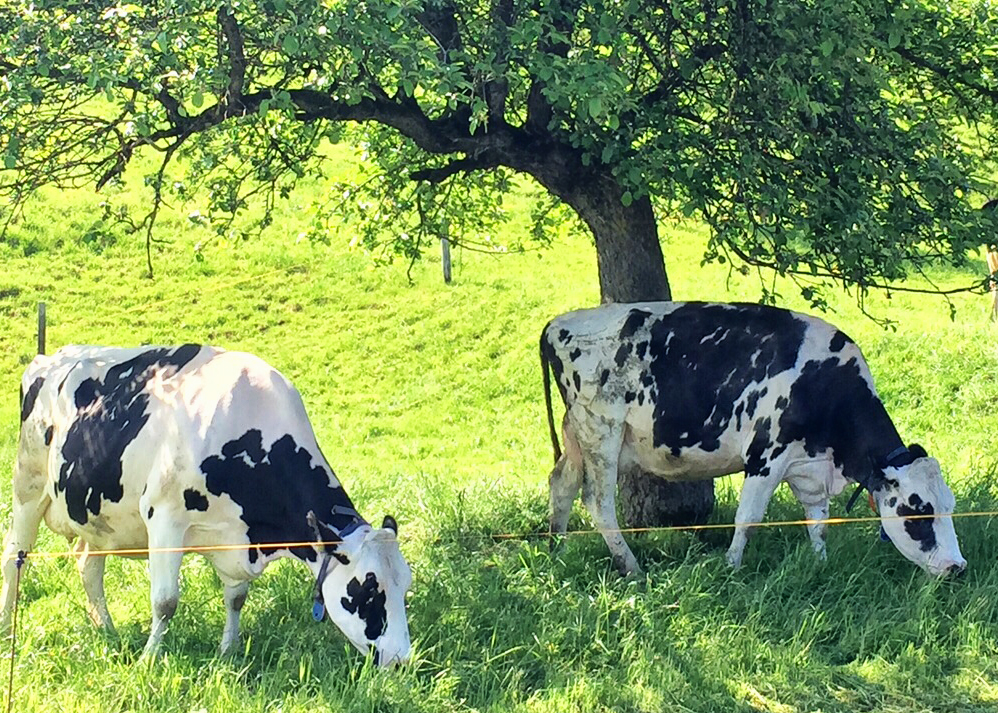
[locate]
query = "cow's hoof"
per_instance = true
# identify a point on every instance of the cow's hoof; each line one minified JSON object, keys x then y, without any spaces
{"x":734,"y":559}
{"x":629,"y":569}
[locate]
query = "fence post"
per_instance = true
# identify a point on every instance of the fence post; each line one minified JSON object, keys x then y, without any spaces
{"x":445,"y":255}
{"x":41,"y":327}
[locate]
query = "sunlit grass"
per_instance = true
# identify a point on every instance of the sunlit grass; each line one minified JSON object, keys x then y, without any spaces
{"x":427,"y":399}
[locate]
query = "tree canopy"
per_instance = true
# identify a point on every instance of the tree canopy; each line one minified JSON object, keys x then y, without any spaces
{"x":845,"y":140}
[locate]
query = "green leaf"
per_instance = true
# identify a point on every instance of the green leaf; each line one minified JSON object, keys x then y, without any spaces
{"x":595,"y":107}
{"x":290,"y":44}
{"x":197,"y":99}
{"x":827,"y":47}
{"x":9,"y":161}
{"x":894,"y":38}
{"x":627,"y":198}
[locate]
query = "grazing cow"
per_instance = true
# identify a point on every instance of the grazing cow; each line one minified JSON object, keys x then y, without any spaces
{"x":696,"y":390}
{"x":195,"y":446}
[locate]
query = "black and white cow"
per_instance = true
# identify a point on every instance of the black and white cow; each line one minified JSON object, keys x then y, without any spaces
{"x":195,"y":446}
{"x":697,"y":390}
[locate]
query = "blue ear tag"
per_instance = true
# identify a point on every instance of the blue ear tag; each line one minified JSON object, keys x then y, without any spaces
{"x":883,"y":535}
{"x":318,"y":610}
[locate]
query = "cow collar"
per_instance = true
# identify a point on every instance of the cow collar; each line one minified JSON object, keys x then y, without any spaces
{"x":318,"y":601}
{"x":895,"y":459}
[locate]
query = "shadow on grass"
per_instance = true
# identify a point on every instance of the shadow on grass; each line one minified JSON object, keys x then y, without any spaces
{"x":864,"y":631}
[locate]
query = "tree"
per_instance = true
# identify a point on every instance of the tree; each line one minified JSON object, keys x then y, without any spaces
{"x":835,"y":141}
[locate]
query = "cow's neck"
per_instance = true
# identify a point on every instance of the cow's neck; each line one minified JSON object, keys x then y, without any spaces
{"x":866,"y":439}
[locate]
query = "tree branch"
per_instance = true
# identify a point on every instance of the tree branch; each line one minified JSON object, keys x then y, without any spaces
{"x":539,"y":109}
{"x":497,"y":90}
{"x":439,"y":19}
{"x":237,"y":57}
{"x":953,"y":76}
{"x":464,"y":165}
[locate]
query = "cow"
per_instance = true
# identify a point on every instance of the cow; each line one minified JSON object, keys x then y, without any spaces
{"x":193,"y":446}
{"x":699,"y":390}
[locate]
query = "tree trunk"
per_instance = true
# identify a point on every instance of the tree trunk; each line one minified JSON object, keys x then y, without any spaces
{"x":632,"y":269}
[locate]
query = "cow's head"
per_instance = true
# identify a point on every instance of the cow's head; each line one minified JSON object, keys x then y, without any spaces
{"x":916,"y":487}
{"x":361,"y":585}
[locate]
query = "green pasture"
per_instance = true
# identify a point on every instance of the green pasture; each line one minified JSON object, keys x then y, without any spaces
{"x":427,"y":400}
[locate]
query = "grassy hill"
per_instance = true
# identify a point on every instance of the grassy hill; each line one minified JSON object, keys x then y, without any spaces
{"x":427,"y":400}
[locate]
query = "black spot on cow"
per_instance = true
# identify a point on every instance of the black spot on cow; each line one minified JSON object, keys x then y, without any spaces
{"x":755,"y":461}
{"x":833,"y":408}
{"x":839,"y":340}
{"x":48,"y":435}
{"x":575,"y":354}
{"x":577,"y":380}
{"x":751,"y":403}
{"x":635,"y":320}
{"x":110,"y":414}
{"x":892,"y":502}
{"x":739,"y":410}
{"x":368,"y":602}
{"x":701,"y":382}
{"x":276,"y":488}
{"x":623,"y":352}
{"x":777,"y":452}
{"x":86,"y":393}
{"x":604,"y":376}
{"x":781,"y":403}
{"x":629,"y":397}
{"x":641,"y":398}
{"x":564,"y":336}
{"x":194,"y":500}
{"x":646,"y":380}
{"x":641,"y":349}
{"x":249,"y":444}
{"x":150,"y":513}
{"x":28,"y":399}
{"x":921,"y":529}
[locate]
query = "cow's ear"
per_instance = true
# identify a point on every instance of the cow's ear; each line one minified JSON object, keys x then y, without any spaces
{"x":390,"y":524}
{"x":917,"y":451}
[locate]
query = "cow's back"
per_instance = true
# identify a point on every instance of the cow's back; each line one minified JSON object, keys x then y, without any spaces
{"x":87,"y":436}
{"x":691,"y":381}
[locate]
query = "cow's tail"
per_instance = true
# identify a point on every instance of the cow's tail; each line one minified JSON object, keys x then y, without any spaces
{"x":546,"y":370}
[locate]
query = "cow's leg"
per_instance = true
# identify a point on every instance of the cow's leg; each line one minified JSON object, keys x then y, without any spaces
{"x":565,"y":481}
{"x":166,"y":538}
{"x":92,"y":573}
{"x":756,"y":494}
{"x":30,"y":504}
{"x":819,"y":512}
{"x":599,"y":491}
{"x":809,"y":481}
{"x":235,"y":597}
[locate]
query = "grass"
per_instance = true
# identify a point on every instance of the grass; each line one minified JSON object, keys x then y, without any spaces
{"x":427,"y":400}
